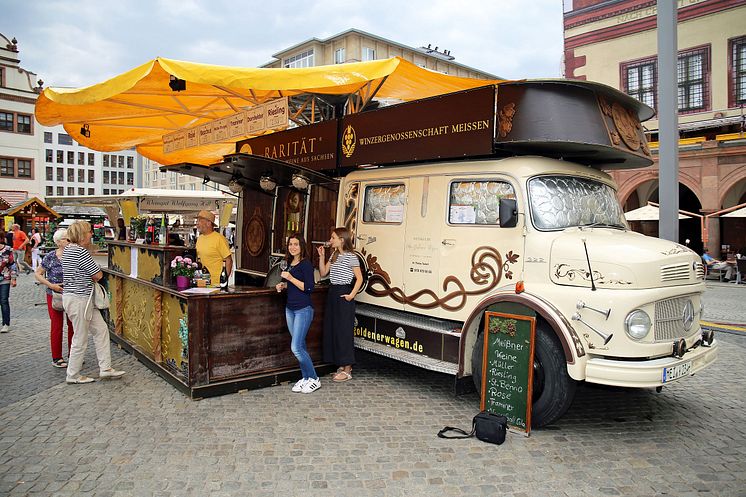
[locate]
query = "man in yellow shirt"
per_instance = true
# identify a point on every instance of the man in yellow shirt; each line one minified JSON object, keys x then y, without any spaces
{"x":212,"y":247}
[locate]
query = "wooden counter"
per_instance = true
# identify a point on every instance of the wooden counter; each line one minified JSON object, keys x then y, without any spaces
{"x":212,"y":344}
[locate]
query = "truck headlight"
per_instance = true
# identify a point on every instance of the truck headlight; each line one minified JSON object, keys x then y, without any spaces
{"x":637,"y":324}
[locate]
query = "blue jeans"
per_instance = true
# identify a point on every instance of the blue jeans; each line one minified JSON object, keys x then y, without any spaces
{"x":298,"y":323}
{"x":5,"y":303}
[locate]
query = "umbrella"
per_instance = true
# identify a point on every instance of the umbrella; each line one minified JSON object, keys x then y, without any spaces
{"x":647,"y":213}
{"x":737,"y":213}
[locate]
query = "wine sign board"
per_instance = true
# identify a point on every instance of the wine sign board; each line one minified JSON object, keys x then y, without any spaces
{"x":508,"y":367}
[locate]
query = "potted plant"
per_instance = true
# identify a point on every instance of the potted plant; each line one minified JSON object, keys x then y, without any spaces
{"x":183,"y":269}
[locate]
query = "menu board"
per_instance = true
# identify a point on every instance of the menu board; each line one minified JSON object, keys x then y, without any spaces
{"x":508,"y":367}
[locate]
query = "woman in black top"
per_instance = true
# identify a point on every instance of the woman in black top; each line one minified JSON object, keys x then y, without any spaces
{"x":298,"y":281}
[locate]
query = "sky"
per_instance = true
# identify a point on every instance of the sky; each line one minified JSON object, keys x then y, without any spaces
{"x":72,"y":43}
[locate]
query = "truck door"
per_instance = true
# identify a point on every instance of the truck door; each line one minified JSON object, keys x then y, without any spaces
{"x":380,"y":237}
{"x":476,"y":255}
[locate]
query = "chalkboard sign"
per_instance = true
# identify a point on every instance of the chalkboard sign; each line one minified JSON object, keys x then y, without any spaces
{"x":508,"y":367}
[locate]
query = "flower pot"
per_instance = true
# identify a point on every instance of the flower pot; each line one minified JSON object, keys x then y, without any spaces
{"x":182,"y":282}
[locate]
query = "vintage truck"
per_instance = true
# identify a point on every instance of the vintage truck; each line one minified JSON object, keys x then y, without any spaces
{"x":489,"y":199}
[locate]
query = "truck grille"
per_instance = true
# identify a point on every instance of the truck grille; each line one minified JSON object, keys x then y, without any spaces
{"x":675,"y":272}
{"x":700,"y":270}
{"x":669,"y":322}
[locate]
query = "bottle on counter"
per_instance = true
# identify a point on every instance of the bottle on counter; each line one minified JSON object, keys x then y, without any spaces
{"x":162,"y":232}
{"x":132,"y":230}
{"x":197,"y":278}
{"x":224,"y":278}
{"x":149,"y":232}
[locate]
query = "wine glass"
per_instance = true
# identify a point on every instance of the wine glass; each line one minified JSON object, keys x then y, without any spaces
{"x":283,"y":265}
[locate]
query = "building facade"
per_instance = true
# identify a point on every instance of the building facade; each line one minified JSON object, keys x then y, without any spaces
{"x":615,"y":42}
{"x":21,"y":170}
{"x":355,"y":45}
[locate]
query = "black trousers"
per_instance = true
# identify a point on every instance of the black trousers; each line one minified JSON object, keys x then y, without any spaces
{"x":339,"y":319}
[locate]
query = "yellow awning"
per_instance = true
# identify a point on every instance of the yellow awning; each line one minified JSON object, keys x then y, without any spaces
{"x":136,"y":108}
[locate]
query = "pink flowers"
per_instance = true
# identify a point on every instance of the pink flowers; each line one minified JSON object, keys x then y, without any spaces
{"x":183,"y":266}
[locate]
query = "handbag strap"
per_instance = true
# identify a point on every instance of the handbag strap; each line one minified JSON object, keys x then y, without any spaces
{"x":463,"y":434}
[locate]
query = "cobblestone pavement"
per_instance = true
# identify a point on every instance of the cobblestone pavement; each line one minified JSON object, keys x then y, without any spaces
{"x":373,"y":436}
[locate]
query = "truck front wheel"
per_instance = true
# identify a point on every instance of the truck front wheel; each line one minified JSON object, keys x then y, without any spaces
{"x":553,"y":389}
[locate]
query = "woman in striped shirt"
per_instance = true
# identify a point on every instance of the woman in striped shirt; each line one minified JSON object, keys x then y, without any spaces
{"x":79,"y":272}
{"x":339,"y":317}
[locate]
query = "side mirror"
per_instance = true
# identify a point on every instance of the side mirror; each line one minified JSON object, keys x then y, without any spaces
{"x":508,"y":213}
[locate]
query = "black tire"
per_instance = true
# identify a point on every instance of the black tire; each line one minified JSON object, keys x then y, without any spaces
{"x":553,"y":389}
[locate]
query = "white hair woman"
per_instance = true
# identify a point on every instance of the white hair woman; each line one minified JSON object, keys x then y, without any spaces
{"x":49,"y":274}
{"x":79,"y":272}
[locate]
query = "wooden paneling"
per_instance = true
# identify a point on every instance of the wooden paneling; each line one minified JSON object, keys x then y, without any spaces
{"x":256,"y":230}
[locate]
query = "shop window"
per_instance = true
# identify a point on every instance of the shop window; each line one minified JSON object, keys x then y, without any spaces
{"x":384,"y":204}
{"x":477,"y":202}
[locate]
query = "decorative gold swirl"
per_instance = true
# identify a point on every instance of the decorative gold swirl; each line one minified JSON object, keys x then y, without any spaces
{"x":487,"y":269}
{"x":350,"y":203}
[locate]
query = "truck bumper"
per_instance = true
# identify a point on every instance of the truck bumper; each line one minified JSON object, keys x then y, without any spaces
{"x":650,"y":373}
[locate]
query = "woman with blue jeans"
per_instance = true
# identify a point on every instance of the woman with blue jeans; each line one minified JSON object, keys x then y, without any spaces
{"x":298,"y":281}
{"x":8,"y":274}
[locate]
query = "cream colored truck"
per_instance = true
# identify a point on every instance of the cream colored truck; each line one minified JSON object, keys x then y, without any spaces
{"x":613,"y":307}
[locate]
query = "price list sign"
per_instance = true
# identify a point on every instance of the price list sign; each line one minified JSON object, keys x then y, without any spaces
{"x":508,"y":367}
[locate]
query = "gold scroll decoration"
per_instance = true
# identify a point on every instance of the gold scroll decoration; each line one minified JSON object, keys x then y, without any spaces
{"x":256,"y":234}
{"x":350,"y":206}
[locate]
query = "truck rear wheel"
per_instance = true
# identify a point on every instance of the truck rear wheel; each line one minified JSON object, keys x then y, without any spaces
{"x":553,"y":389}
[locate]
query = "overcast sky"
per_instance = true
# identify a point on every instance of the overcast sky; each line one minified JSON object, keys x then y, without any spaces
{"x":79,"y":43}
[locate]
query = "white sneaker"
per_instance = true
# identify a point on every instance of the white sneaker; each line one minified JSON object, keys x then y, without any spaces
{"x":298,"y":387}
{"x":311,"y":385}
{"x":110,"y":373}
{"x":5,"y":328}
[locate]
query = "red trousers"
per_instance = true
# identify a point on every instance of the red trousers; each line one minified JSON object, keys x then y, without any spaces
{"x":55,"y":336}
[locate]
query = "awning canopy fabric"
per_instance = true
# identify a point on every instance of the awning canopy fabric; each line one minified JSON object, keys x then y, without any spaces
{"x":136,"y":108}
{"x":647,"y":213}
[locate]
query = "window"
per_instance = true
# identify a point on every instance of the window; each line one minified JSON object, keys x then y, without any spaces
{"x":368,"y":54}
{"x":24,"y":168}
{"x":106,"y":176}
{"x":81,"y":191}
{"x":339,"y":56}
{"x":303,"y":59}
{"x":60,"y":174}
{"x":60,"y":191}
{"x":47,"y":137}
{"x":24,"y":124}
{"x":106,"y":160}
{"x":60,"y":157}
{"x":70,"y":190}
{"x":81,"y":158}
{"x":737,"y":68}
{"x":121,"y":178}
{"x":121,"y":161}
{"x":91,"y":191}
{"x":130,"y":162}
{"x":693,"y":74}
{"x":477,"y":202}
{"x":91,"y":176}
{"x":49,"y":155}
{"x":70,"y":175}
{"x":6,"y":121}
{"x":50,"y":191}
{"x":50,"y":173}
{"x":106,"y":191}
{"x":384,"y":204}
{"x":90,"y":159}
{"x":81,"y":175}
{"x":130,"y":179}
{"x":64,"y":139}
{"x":641,"y":81}
{"x":7,"y":167}
{"x":71,"y":157}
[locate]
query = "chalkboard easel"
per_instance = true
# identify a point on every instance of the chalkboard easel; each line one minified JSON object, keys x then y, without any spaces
{"x":507,"y":374}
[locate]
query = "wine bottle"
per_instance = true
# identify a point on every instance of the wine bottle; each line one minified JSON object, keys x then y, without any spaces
{"x":224,"y":278}
{"x":162,"y":232}
{"x":149,"y":232}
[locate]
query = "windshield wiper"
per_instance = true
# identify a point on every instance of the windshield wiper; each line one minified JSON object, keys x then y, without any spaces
{"x":602,"y":225}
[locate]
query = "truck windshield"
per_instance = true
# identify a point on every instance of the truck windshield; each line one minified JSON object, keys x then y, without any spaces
{"x":559,"y":202}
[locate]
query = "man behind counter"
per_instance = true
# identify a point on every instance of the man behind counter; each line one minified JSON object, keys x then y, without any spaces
{"x":212,"y":247}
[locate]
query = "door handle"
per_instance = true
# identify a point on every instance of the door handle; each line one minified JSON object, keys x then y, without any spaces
{"x":450,"y":242}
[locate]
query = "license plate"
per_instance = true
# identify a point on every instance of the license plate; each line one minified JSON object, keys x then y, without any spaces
{"x":676,"y":372}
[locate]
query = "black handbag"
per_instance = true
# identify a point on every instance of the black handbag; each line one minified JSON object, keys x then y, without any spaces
{"x":486,"y":426}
